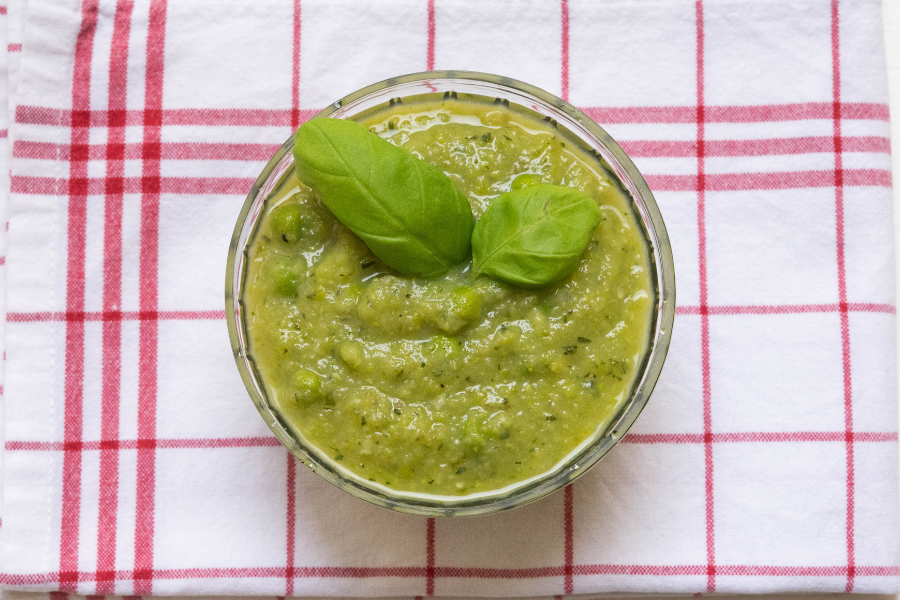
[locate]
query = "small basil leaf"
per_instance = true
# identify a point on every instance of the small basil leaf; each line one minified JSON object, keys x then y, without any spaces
{"x":407,"y":211}
{"x":534,"y":236}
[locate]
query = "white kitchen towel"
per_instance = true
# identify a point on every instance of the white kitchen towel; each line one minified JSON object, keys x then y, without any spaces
{"x":134,"y":461}
{"x":5,"y":157}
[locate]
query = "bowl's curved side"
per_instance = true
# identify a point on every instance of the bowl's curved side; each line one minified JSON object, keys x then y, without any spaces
{"x":588,"y":453}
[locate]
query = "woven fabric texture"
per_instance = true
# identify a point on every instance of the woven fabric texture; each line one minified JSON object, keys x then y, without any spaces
{"x":134,"y":462}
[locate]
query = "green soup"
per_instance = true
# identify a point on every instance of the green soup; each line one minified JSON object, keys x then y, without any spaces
{"x":455,"y":385}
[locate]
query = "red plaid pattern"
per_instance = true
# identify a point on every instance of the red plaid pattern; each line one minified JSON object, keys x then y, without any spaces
{"x":134,"y":463}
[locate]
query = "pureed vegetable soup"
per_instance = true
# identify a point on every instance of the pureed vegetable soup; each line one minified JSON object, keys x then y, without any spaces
{"x":452,"y":385}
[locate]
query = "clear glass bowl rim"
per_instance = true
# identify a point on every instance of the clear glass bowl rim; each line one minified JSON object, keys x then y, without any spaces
{"x":563,"y":474}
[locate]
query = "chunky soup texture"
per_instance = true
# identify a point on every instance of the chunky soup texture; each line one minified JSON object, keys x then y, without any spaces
{"x":454,"y":385}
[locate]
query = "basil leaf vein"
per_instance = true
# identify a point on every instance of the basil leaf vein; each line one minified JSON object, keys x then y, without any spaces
{"x":407,"y":211}
{"x":534,"y":236}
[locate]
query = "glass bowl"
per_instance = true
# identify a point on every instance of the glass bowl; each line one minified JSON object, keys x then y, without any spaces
{"x":438,"y":84}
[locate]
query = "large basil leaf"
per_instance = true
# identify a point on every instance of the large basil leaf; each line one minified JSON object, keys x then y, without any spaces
{"x":535,"y":236}
{"x":407,"y":211}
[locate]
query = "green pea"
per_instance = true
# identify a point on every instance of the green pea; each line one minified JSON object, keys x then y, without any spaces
{"x":307,"y":386}
{"x":466,"y":303}
{"x":353,"y":291}
{"x":353,"y":354}
{"x":526,"y":180}
{"x":442,"y":344}
{"x":287,"y":222}
{"x":283,"y":276}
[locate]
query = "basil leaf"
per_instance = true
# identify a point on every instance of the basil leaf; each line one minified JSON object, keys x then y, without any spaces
{"x":534,"y":236}
{"x":407,"y":211}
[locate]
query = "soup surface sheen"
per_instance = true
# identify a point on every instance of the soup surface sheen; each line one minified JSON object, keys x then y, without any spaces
{"x":448,"y":386}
